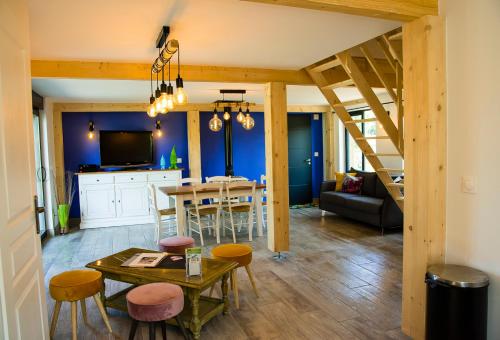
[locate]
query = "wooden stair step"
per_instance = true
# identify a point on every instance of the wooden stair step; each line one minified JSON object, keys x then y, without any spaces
{"x":384,"y":154}
{"x":356,"y":121}
{"x":345,"y":83}
{"x":401,"y":198}
{"x":354,"y":102}
{"x":326,"y":65}
{"x":390,"y":170}
{"x":372,"y":137}
{"x":395,"y":185}
{"x":396,"y":36}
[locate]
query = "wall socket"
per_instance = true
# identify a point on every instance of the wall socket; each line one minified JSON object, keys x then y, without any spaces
{"x":179,"y":160}
{"x":469,"y":185}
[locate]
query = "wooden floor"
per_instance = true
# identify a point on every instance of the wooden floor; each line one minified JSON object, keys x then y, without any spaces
{"x":341,"y":280}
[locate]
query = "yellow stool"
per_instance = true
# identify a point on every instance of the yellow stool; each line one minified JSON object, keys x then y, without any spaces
{"x":73,"y":286}
{"x":242,"y":254}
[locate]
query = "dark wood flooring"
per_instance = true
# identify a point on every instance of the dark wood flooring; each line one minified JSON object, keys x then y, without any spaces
{"x":341,"y":280}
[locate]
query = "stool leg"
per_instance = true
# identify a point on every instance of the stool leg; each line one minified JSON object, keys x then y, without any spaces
{"x":234,"y":280}
{"x":181,"y":326}
{"x":103,"y":312}
{"x":133,"y":329}
{"x":84,"y":311}
{"x":151,"y":331}
{"x":74,"y":329}
{"x":55,"y":315}
{"x":163,"y":326}
{"x":252,"y":281}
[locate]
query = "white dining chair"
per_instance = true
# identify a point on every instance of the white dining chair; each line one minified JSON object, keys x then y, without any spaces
{"x":201,"y":216}
{"x":263,"y":180}
{"x":240,"y":202}
{"x":218,"y":179}
{"x":160,"y":215}
{"x":188,"y":180}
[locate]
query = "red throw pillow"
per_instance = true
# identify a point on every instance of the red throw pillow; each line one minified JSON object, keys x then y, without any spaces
{"x":352,"y":184}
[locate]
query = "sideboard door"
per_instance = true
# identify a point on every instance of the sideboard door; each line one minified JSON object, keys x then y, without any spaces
{"x":98,"y":201}
{"x":132,"y":200}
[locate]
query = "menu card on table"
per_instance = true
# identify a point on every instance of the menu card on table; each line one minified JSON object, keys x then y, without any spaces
{"x":193,"y":261}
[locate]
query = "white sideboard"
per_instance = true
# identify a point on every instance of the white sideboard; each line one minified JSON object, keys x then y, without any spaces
{"x":121,"y":198}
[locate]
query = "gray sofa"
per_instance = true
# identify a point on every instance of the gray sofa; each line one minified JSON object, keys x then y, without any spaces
{"x":374,"y":205}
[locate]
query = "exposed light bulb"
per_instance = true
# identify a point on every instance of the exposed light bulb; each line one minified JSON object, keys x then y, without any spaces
{"x":163,"y":101}
{"x":240,"y":116}
{"x":215,"y":123}
{"x":180,"y":96}
{"x":170,"y":97}
{"x":226,"y":115}
{"x":91,"y":135}
{"x":248,"y":122}
{"x":152,"y":110}
{"x":159,"y":133}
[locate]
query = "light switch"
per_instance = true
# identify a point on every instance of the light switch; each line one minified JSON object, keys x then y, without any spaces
{"x":315,"y":116}
{"x":316,"y":154}
{"x":179,"y":160}
{"x":469,"y":184}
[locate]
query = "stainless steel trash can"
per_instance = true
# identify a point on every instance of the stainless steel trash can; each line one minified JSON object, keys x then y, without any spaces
{"x":457,"y":303}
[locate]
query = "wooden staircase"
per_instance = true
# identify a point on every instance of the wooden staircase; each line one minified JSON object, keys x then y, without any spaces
{"x":353,"y":67}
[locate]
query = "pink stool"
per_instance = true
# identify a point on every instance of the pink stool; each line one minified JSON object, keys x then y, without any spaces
{"x":155,"y":303}
{"x":176,"y":244}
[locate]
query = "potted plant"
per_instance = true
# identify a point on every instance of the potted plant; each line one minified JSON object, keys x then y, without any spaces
{"x":64,"y":203}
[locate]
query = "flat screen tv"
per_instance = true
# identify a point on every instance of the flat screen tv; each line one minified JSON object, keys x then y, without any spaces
{"x":126,"y":148}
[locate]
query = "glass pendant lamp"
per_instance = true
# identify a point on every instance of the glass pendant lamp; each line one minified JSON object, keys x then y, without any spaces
{"x":215,"y":123}
{"x":248,"y":122}
{"x":240,"y":117}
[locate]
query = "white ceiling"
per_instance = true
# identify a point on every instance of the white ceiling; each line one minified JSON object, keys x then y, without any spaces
{"x":136,"y":91}
{"x":211,"y":32}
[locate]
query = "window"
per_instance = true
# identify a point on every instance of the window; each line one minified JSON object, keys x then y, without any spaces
{"x":354,"y":158}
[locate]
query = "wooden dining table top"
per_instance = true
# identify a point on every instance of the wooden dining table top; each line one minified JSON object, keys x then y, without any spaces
{"x":188,"y":189}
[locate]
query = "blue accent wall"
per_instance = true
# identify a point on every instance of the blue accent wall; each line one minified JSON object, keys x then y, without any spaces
{"x":79,"y":149}
{"x":249,"y":150}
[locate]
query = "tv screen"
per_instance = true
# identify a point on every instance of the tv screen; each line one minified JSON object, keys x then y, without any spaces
{"x":126,"y":148}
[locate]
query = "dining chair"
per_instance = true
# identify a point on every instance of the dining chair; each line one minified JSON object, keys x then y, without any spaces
{"x":240,"y":201}
{"x":238,"y":179}
{"x":188,"y":180}
{"x":263,"y":180}
{"x":160,"y":215}
{"x":202,"y":214}
{"x":218,"y":179}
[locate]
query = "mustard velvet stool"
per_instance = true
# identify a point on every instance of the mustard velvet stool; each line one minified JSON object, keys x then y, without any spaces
{"x":242,"y":254}
{"x":73,"y":286}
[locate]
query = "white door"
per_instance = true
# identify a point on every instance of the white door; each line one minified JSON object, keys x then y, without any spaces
{"x":22,"y":293}
{"x":132,"y":200}
{"x":97,"y":201}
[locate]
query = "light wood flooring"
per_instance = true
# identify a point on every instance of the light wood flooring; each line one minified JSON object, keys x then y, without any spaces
{"x":341,"y":280}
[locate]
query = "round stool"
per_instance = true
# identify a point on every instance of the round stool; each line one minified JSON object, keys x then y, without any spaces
{"x":155,"y":303}
{"x":240,"y":253}
{"x":73,"y":286}
{"x":176,"y":244}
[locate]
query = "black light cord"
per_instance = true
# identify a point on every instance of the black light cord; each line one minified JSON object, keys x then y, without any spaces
{"x":178,"y":61}
{"x":169,"y":73}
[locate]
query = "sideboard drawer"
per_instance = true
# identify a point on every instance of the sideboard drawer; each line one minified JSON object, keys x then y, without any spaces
{"x":96,"y":179}
{"x":131,"y":178}
{"x":164,"y":176}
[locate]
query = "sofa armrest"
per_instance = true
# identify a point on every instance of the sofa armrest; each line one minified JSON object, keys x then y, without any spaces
{"x":391,"y":214}
{"x":328,"y":186}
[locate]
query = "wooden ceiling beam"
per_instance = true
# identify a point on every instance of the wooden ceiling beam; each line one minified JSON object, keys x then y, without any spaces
{"x":141,"y":71}
{"x":400,"y":10}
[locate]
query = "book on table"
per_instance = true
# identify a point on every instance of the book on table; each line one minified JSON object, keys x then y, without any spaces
{"x":147,"y":260}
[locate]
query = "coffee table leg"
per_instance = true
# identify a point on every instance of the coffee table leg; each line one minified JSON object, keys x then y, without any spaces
{"x":103,"y":293}
{"x":225,"y":296}
{"x":195,"y":326}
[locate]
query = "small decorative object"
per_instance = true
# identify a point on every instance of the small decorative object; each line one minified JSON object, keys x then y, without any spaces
{"x":163,"y":162}
{"x":193,"y":261}
{"x":173,"y":159}
{"x":64,"y":203}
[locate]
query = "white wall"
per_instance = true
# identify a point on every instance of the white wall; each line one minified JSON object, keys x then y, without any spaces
{"x":473,"y":76}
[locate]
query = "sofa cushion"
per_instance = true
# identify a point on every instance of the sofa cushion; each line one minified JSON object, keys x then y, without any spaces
{"x":352,"y":184}
{"x":371,"y":205}
{"x":336,"y":198}
{"x":369,"y":180}
{"x":380,"y":190}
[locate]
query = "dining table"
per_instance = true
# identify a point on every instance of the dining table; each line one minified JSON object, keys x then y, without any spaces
{"x":182,"y":194}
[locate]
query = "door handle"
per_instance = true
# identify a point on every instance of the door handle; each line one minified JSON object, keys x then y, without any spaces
{"x":308,"y":161}
{"x":38,"y":211}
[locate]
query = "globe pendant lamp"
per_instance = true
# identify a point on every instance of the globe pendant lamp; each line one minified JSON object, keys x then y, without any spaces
{"x":248,"y":122}
{"x":240,"y":117}
{"x":215,"y":124}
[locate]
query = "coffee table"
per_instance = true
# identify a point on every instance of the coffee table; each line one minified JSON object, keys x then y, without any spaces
{"x":198,"y":309}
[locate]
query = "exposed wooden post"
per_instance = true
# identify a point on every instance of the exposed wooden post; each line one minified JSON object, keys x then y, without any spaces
{"x":193,"y":127}
{"x":424,"y":79}
{"x":276,"y":129}
{"x":328,"y":145}
{"x":58,"y":152}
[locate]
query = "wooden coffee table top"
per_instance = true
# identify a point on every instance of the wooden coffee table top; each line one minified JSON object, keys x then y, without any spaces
{"x":212,"y":270}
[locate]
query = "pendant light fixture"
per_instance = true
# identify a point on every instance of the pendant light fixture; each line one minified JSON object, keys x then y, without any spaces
{"x":163,"y":99}
{"x":158,"y":128}
{"x":245,"y":120}
{"x":180,"y":94}
{"x":215,"y":124}
{"x":91,"y":130}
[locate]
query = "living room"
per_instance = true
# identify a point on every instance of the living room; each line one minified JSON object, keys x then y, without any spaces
{"x":327,"y":138}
